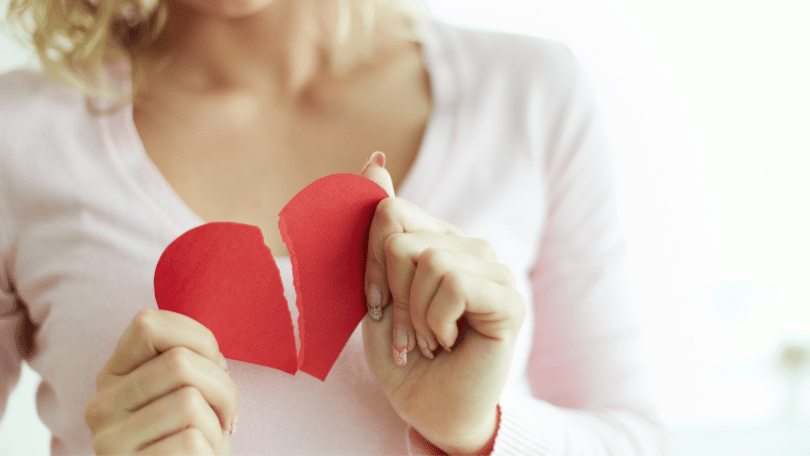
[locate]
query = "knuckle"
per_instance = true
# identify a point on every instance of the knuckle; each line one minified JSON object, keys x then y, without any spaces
{"x":389,"y":206}
{"x":508,"y":274}
{"x":391,"y":211}
{"x":190,"y":403}
{"x":210,"y":343}
{"x":520,"y":308}
{"x":385,"y":211}
{"x":193,"y":441}
{"x":455,"y":282}
{"x":482,"y":249}
{"x":93,"y":413}
{"x":435,"y":260}
{"x":394,"y":244}
{"x":177,"y":362}
{"x":145,"y":323}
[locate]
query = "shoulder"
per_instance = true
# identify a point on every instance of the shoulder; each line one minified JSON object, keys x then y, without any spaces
{"x":518,"y":61}
{"x":39,"y":120}
{"x":534,"y":83}
{"x":25,"y":89}
{"x":17,"y":84}
{"x":530,"y":93}
{"x":31,"y":103}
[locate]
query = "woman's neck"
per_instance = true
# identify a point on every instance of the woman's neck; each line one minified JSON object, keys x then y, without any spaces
{"x":276,"y":47}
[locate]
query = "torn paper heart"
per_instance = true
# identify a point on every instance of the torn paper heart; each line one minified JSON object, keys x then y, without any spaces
{"x":223,"y":275}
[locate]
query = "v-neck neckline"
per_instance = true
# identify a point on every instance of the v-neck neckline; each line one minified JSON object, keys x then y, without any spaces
{"x":145,"y":179}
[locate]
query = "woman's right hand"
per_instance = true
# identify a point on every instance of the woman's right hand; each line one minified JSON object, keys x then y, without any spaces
{"x":165,"y":390}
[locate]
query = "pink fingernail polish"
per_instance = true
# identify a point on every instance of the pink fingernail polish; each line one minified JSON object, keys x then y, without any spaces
{"x":400,"y":345}
{"x":400,"y":337}
{"x":379,"y":157}
{"x":375,"y":309}
{"x":423,"y":346}
{"x":401,"y":356}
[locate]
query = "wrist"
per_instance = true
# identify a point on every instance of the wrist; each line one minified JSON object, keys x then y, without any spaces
{"x":473,"y":446}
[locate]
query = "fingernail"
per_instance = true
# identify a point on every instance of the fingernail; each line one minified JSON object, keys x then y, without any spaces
{"x":378,"y":156}
{"x":234,"y":423}
{"x":423,"y":346}
{"x":223,"y":363}
{"x":375,"y":302}
{"x":401,"y":337}
{"x":401,"y":356}
{"x":400,"y":345}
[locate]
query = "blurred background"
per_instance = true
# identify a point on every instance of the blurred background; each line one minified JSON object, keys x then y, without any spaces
{"x":708,"y":104}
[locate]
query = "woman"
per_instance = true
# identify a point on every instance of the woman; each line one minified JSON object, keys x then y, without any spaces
{"x":491,"y":141}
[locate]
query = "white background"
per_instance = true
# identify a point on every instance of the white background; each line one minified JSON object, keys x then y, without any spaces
{"x":708,"y":102}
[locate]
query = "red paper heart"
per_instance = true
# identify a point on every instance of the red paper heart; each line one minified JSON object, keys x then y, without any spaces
{"x":223,"y":275}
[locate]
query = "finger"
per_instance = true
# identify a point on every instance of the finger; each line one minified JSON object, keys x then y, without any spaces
{"x":404,"y":250}
{"x":187,"y":441}
{"x":375,"y":171}
{"x":401,"y":253}
{"x":376,"y":285}
{"x":403,"y":339}
{"x":377,"y":346}
{"x":168,"y":415}
{"x":159,"y":376}
{"x":494,"y":310}
{"x":153,"y":332}
{"x":393,"y":215}
{"x":432,"y":265}
{"x":401,"y":250}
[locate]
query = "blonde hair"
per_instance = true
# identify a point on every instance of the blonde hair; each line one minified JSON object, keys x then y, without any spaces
{"x":88,"y":44}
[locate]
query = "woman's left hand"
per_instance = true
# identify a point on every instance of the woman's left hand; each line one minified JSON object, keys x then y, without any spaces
{"x":453,"y":302}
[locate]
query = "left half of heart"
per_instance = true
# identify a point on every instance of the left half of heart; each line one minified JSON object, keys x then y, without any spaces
{"x":224,"y":276}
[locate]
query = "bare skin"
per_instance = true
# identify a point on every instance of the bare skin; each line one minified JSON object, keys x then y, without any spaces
{"x":240,"y":120}
{"x":237,"y":147}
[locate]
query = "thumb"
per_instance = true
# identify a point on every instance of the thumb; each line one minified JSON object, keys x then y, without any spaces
{"x":375,"y":171}
{"x":377,"y":336}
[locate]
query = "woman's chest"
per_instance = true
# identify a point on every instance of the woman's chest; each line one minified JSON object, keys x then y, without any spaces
{"x":246,"y":171}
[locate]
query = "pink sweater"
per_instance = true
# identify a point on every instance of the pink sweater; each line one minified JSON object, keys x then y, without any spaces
{"x":515,"y":153}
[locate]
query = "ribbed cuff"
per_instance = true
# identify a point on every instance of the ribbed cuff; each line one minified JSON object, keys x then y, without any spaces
{"x":420,"y":446}
{"x":523,"y":430}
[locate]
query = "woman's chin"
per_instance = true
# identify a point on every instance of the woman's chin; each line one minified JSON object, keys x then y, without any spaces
{"x":228,"y":9}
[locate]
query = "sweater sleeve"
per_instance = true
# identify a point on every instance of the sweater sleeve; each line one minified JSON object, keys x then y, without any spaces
{"x":16,"y":329}
{"x":15,"y":334}
{"x":12,"y":340}
{"x":586,"y":367}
